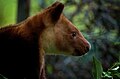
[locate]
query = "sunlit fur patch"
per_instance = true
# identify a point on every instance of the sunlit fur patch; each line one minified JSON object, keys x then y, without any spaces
{"x":47,"y":39}
{"x":48,"y":42}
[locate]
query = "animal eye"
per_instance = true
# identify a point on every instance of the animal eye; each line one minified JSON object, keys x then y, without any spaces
{"x":73,"y":34}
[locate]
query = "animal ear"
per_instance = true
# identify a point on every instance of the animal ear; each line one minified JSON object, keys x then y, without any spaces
{"x":56,"y":11}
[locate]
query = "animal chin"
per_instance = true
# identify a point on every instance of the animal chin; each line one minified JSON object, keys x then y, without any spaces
{"x":77,"y":52}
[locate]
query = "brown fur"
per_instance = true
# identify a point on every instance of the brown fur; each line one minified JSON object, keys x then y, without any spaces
{"x":70,"y":43}
{"x":24,"y":45}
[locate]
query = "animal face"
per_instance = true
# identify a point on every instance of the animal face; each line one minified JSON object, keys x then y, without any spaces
{"x":61,"y":36}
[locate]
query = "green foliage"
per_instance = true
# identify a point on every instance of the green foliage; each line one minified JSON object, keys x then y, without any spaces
{"x":97,"y":69}
{"x":111,"y":73}
{"x":2,"y":77}
{"x":8,"y":12}
{"x":49,"y":69}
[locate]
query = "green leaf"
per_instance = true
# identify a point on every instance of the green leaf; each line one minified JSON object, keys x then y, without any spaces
{"x":118,"y":75}
{"x":2,"y":77}
{"x":106,"y":75}
{"x":117,"y":64}
{"x":97,"y":69}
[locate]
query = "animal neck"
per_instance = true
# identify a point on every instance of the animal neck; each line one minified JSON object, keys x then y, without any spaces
{"x":48,"y":42}
{"x":48,"y":39}
{"x":35,"y":24}
{"x":32,"y":25}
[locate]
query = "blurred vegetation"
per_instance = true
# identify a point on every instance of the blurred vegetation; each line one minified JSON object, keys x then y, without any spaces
{"x":111,"y":73}
{"x":98,"y":20}
{"x":7,"y":12}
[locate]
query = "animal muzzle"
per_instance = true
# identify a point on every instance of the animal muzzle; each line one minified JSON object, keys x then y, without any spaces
{"x":82,"y":50}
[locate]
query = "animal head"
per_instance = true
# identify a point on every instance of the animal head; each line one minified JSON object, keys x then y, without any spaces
{"x":60,"y":35}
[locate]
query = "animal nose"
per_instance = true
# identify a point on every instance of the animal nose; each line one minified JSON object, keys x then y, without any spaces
{"x":88,"y":47}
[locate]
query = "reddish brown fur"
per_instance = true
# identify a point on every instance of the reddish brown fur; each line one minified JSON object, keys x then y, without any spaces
{"x":24,"y":45}
{"x":79,"y":42}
